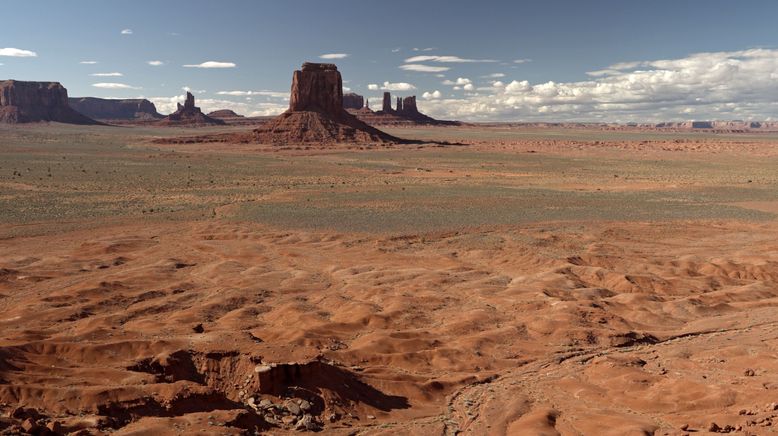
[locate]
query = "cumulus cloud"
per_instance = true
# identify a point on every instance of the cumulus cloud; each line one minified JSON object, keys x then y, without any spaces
{"x":107,"y":74}
{"x":88,"y":62}
{"x":127,"y":32}
{"x":389,"y":86}
{"x":373,"y":87}
{"x":212,"y":64}
{"x":17,"y":53}
{"x":114,"y":86}
{"x":423,"y":68}
{"x":717,"y":85}
{"x":461,"y":81}
{"x":431,"y":95}
{"x":334,"y":56}
{"x":155,"y":63}
{"x":444,"y":59}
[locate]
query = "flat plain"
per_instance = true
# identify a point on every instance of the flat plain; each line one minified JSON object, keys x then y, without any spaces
{"x":520,"y":281}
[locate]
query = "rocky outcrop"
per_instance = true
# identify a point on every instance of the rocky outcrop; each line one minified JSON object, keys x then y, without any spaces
{"x":387,"y":106}
{"x":316,"y":113}
{"x":405,"y":112}
{"x":189,"y":115}
{"x":111,"y":109}
{"x":353,"y":101}
{"x":27,"y":102}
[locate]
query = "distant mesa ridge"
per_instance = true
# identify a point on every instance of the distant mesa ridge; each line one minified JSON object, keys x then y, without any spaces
{"x":189,"y":115}
{"x":27,"y":102}
{"x":225,"y":113}
{"x":316,"y":113}
{"x":115,"y":109}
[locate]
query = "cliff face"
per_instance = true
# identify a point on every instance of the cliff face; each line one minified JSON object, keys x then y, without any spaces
{"x":108,"y":109}
{"x":316,"y":113}
{"x":26,"y":102}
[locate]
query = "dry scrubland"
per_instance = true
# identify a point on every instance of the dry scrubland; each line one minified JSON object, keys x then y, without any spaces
{"x":529,"y":281}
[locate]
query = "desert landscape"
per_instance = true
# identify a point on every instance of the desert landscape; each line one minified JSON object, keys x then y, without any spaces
{"x":594,"y":254}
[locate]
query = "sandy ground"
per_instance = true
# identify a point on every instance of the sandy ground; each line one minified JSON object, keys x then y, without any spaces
{"x":528,"y":285}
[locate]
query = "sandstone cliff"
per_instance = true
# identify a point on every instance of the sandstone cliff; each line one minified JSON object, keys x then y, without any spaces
{"x":26,"y":102}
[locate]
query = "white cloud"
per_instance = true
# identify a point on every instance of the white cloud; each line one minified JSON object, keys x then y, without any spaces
{"x":423,"y":68}
{"x":522,"y":61}
{"x":247,"y":107}
{"x":155,"y":63}
{"x":424,"y":49}
{"x":194,"y":91}
{"x":334,"y":56}
{"x":444,"y":59}
{"x":107,"y":74}
{"x":717,"y":85}
{"x":88,"y":62}
{"x":469,"y":87}
{"x":127,"y":32}
{"x":395,"y":50}
{"x":17,"y":53}
{"x":389,"y":86}
{"x":113,"y":86}
{"x":273,"y":94}
{"x":431,"y":95}
{"x":494,"y":76}
{"x":212,"y":64}
{"x":461,"y":81}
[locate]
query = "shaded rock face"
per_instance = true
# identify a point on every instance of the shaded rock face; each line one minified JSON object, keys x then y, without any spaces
{"x":409,"y":106}
{"x":26,"y":102}
{"x":110,"y":109}
{"x":316,"y":113}
{"x":189,"y":115}
{"x":353,"y":101}
{"x":387,"y":106}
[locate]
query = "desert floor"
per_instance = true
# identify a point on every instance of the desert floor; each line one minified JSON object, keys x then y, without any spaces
{"x":526,"y":281}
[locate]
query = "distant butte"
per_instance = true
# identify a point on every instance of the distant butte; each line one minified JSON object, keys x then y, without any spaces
{"x":316,"y":113}
{"x":189,"y":115}
{"x":405,"y":112}
{"x":28,"y":102}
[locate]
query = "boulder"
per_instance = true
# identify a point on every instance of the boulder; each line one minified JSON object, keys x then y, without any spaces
{"x":27,"y":102}
{"x":115,"y":109}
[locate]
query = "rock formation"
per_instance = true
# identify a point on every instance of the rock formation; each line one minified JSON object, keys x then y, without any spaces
{"x":316,"y":113}
{"x":110,"y":109}
{"x":387,"y":107}
{"x":225,"y":113}
{"x":26,"y":102}
{"x":353,"y":101}
{"x":189,"y":115}
{"x":405,"y":112}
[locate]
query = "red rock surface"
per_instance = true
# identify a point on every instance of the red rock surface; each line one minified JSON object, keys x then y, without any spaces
{"x":225,"y":113}
{"x":25,"y":102}
{"x":316,"y":113}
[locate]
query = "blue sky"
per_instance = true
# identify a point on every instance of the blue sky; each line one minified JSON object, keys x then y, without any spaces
{"x":675,"y":59}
